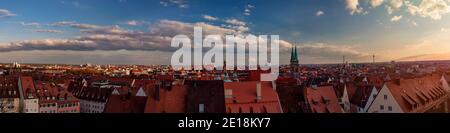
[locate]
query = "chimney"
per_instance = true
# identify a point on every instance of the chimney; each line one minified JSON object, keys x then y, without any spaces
{"x":228,"y":93}
{"x":258,"y":91}
{"x":274,"y":85}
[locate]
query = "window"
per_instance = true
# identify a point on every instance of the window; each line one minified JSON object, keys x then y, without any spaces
{"x":390,"y":108}
{"x":385,"y":97}
{"x":381,"y":107}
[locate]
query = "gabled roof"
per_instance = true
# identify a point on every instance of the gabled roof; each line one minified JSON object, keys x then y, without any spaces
{"x":409,"y":92}
{"x":351,"y":89}
{"x":91,"y":93}
{"x":49,"y":92}
{"x":361,"y":96}
{"x":28,"y":89}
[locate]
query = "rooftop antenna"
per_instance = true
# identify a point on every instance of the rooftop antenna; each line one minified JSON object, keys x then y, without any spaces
{"x":373,"y":58}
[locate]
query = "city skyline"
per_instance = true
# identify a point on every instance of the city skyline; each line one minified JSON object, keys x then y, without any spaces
{"x":134,"y":32}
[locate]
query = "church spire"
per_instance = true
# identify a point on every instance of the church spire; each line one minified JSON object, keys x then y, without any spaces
{"x":294,"y":54}
{"x":294,"y":66}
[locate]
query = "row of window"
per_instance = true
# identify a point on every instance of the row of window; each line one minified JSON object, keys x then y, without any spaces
{"x":48,"y":105}
{"x":68,"y":105}
{"x":68,"y":111}
{"x":59,"y":106}
{"x":93,"y":106}
{"x":30,"y":110}
{"x":54,"y":111}
{"x":382,"y":107}
{"x":50,"y":111}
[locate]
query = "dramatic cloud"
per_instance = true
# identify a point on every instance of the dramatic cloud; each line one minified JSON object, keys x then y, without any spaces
{"x":210,"y":18}
{"x":376,"y":3}
{"x":353,"y":6}
{"x":116,"y":38}
{"x":179,"y":3}
{"x":396,"y":18}
{"x":156,"y":39}
{"x":429,"y":8}
{"x":319,"y":13}
{"x":6,"y":13}
{"x":47,"y":31}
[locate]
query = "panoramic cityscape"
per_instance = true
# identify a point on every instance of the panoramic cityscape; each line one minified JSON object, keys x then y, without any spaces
{"x":114,"y":56}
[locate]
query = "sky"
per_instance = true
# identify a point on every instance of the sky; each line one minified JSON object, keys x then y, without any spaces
{"x":140,"y":31}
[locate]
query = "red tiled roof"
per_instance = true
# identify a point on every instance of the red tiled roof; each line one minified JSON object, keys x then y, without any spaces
{"x":322,"y":100}
{"x":170,"y":101}
{"x":351,"y":90}
{"x":28,"y":87}
{"x":415,"y":91}
{"x":46,"y":91}
{"x":125,"y":104}
{"x":244,"y":98}
{"x":8,"y":85}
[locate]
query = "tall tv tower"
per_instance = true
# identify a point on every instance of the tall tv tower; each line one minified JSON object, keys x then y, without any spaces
{"x":373,"y":58}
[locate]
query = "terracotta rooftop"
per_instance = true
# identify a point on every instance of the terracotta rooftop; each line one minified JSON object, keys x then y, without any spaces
{"x":243,"y":97}
{"x":125,"y":104}
{"x":167,"y":101}
{"x":9,"y":87}
{"x":322,"y":100}
{"x":423,"y":92}
{"x":28,"y":91}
